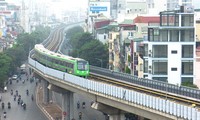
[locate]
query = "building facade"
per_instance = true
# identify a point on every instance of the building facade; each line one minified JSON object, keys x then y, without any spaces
{"x":170,"y":49}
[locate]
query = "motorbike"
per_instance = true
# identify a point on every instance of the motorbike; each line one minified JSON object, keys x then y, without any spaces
{"x":83,"y":105}
{"x":24,"y":106}
{"x":2,"y":105}
{"x":15,"y":98}
{"x":11,"y":92}
{"x":9,"y":105}
{"x":27,"y":92}
{"x":32,"y":98}
{"x":78,"y":105}
{"x":4,"y":114}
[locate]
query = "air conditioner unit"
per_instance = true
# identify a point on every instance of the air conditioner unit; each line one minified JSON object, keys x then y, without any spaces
{"x":149,"y":66}
{"x":150,"y":55}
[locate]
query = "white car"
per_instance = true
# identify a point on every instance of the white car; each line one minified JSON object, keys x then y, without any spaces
{"x":14,"y":77}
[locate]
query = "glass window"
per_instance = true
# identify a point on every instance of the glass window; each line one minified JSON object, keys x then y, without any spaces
{"x":174,"y":51}
{"x":173,"y":69}
{"x":82,"y":65}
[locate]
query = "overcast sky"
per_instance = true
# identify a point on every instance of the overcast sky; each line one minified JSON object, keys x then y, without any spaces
{"x":197,"y":4}
{"x":68,"y":4}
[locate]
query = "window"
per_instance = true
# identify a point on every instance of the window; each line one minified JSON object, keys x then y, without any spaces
{"x":174,"y":51}
{"x":144,"y":29}
{"x":104,"y":36}
{"x":173,"y":69}
{"x":120,"y":5}
{"x":82,"y":65}
{"x":110,"y":36}
{"x":130,"y":34}
{"x":141,"y":67}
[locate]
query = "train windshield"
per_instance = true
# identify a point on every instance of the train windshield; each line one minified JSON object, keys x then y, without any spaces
{"x":82,"y":65}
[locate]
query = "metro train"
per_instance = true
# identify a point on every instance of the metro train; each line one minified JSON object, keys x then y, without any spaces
{"x":75,"y":66}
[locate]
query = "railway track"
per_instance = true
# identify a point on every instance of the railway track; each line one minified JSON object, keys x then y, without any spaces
{"x":56,"y":39}
{"x":54,"y":43}
{"x":149,"y":91}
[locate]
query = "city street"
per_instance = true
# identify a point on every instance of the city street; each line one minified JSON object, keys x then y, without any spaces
{"x":32,"y":112}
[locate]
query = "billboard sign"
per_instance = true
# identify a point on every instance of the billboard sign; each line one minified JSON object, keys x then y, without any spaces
{"x":98,"y":9}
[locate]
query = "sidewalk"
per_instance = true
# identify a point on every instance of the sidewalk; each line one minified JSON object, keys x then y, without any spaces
{"x":51,"y":110}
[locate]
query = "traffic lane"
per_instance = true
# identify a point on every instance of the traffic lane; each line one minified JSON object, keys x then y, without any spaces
{"x":16,"y":112}
{"x":87,"y":114}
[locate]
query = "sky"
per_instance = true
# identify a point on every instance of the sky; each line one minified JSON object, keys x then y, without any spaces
{"x":68,"y":4}
{"x":197,"y":4}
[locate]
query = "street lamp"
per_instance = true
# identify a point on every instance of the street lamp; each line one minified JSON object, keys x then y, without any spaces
{"x":100,"y":61}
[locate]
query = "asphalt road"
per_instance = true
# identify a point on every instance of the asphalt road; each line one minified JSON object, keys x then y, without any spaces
{"x":88,"y":113}
{"x":17,"y":112}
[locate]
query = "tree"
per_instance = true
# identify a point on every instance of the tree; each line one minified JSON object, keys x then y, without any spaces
{"x":5,"y":64}
{"x":25,"y":42}
{"x":90,"y":49}
{"x":127,"y":70}
{"x":72,"y":31}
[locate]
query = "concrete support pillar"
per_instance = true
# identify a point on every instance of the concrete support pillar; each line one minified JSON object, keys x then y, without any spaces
{"x":117,"y":117}
{"x":50,"y":96}
{"x":46,"y":91}
{"x":68,"y":105}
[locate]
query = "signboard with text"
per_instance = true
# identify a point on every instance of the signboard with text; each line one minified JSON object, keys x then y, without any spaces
{"x":98,"y":9}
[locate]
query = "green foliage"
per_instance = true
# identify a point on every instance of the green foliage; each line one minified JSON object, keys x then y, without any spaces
{"x":129,"y":58}
{"x":189,"y":84}
{"x":78,"y":40}
{"x":15,"y":56}
{"x":5,"y":64}
{"x":90,"y":49}
{"x":27,"y":41}
{"x":18,"y":55}
{"x":127,"y":70}
{"x":74,"y":31}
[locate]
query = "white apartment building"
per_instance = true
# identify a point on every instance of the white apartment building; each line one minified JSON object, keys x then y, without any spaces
{"x":155,"y":6}
{"x":174,"y":4}
{"x":170,"y":49}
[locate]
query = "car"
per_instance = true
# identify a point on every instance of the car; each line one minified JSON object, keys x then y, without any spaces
{"x":14,"y":77}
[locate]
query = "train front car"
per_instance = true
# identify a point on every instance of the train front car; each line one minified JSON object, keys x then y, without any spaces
{"x":81,"y":68}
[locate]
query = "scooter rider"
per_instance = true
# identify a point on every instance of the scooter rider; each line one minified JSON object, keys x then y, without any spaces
{"x":32,"y":97}
{"x":4,"y":114}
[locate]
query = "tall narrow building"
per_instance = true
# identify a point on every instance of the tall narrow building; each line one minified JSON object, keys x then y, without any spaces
{"x":118,"y":8}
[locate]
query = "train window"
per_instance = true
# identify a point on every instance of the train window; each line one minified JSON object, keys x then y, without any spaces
{"x":62,"y":63}
{"x":56,"y":61}
{"x":82,"y":65}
